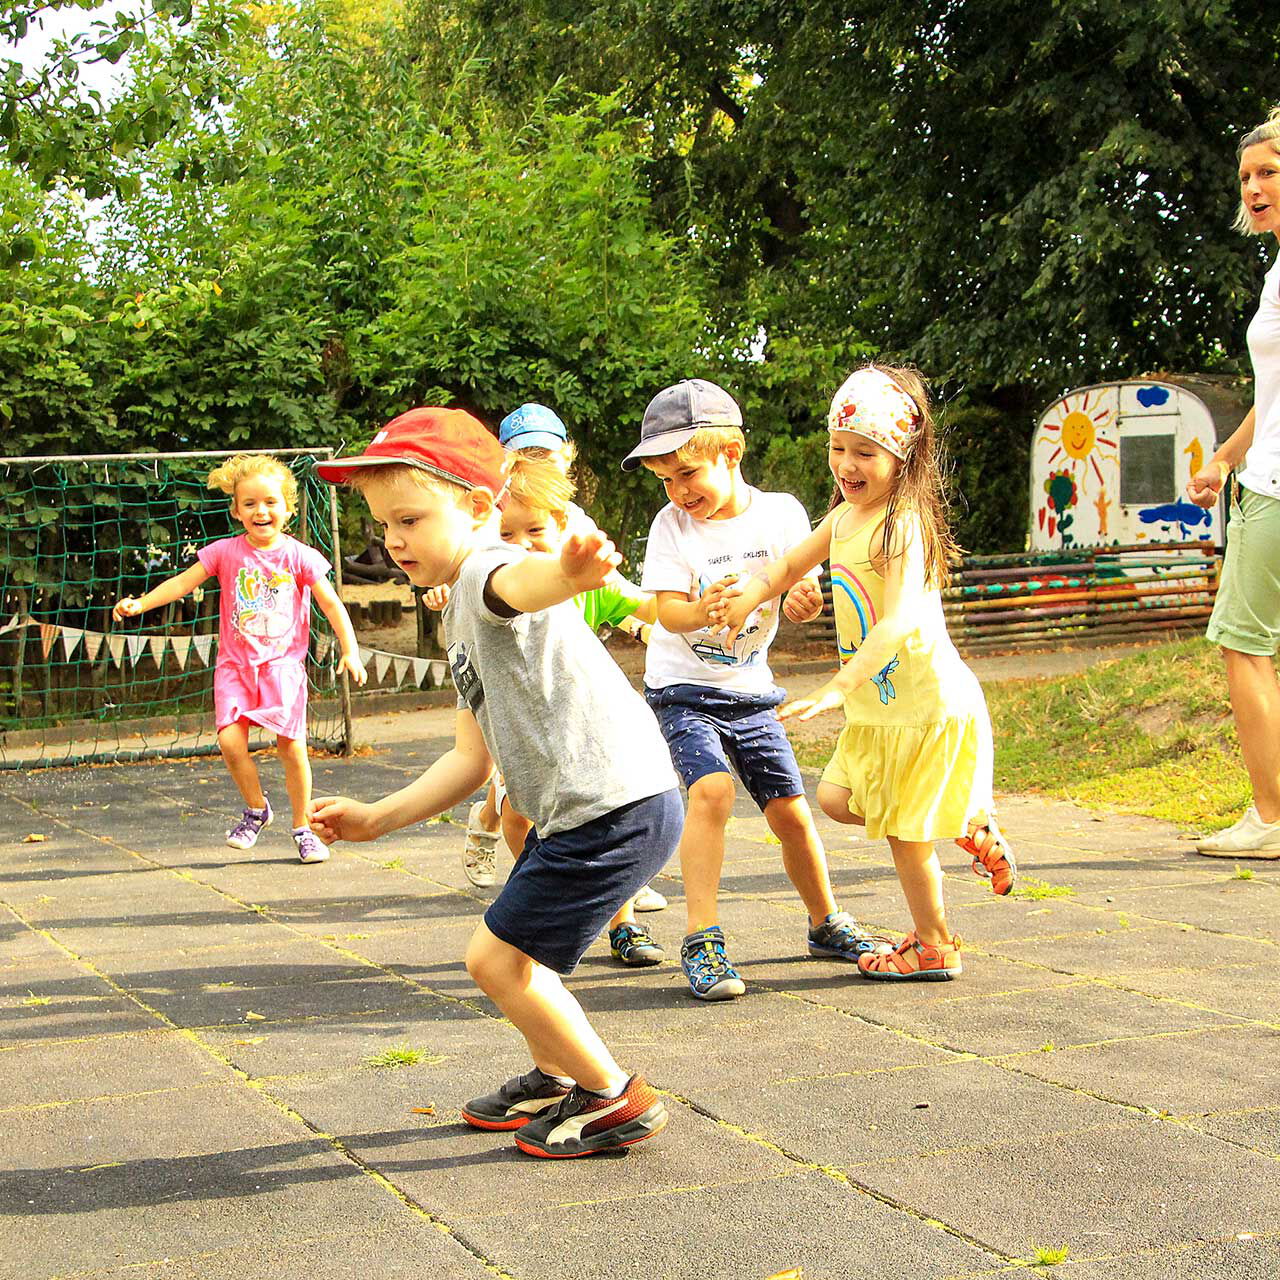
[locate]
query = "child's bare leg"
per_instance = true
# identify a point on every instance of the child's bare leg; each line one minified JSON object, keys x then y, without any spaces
{"x":626,"y":914}
{"x":488,"y":815}
{"x":233,"y":741}
{"x":515,"y":830}
{"x":803,"y":856}
{"x":834,"y":802}
{"x":920,"y":874}
{"x":297,"y":776}
{"x":561,"y":1040}
{"x":702,"y":847}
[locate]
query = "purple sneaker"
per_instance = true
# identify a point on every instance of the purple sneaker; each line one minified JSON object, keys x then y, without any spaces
{"x":310,"y":847}
{"x":244,"y":835}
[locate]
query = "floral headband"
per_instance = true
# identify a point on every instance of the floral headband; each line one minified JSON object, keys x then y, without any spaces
{"x":874,"y":405}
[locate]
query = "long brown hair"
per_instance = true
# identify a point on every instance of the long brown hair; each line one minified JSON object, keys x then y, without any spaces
{"x":919,"y":486}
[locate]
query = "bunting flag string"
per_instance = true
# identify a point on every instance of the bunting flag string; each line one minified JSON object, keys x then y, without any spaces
{"x":394,"y":668}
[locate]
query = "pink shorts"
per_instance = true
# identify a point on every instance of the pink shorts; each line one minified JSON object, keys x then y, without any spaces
{"x":273,"y":695}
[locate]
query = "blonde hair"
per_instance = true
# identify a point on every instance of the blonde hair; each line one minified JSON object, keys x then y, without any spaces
{"x":542,"y":484}
{"x":228,"y":476}
{"x":919,"y":488}
{"x":1267,"y":131}
{"x":710,"y":442}
{"x":365,"y":478}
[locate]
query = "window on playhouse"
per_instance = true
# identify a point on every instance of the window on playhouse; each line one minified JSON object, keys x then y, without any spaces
{"x":1148,"y":469}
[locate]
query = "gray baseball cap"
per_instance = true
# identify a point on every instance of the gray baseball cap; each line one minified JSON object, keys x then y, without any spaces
{"x":675,"y":413}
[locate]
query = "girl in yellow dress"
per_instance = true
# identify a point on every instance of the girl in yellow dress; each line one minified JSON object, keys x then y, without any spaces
{"x":914,"y":760}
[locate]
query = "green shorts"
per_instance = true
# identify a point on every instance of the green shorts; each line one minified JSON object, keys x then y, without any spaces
{"x":1246,"y":613}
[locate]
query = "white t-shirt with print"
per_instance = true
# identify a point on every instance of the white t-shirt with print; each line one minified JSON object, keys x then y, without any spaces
{"x":688,"y":555}
{"x":1261,"y":471}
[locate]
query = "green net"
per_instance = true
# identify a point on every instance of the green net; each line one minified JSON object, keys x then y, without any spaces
{"x":75,"y":536}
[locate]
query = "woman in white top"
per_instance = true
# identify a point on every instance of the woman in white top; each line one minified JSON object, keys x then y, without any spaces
{"x":1246,"y":614}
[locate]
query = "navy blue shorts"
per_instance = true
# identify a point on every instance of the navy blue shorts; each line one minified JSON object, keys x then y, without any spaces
{"x":710,"y":729}
{"x":566,"y":888}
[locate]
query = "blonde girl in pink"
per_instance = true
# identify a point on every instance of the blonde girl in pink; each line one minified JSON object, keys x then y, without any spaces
{"x":914,"y":762}
{"x":266,"y":580}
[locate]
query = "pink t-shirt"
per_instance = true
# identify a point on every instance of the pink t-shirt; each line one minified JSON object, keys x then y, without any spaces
{"x":266,"y":598}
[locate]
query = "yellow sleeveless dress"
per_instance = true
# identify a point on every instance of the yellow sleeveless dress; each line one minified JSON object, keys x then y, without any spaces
{"x":916,"y":749}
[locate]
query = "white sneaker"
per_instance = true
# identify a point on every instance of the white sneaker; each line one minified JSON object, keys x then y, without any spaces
{"x":649,"y":899}
{"x":478,"y":849}
{"x":1248,"y":838}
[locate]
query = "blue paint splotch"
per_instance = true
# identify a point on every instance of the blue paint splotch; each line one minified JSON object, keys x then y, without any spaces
{"x":1149,"y":397}
{"x":1186,"y":515}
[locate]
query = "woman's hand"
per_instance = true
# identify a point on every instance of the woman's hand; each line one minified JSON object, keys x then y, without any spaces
{"x":1205,"y":487}
{"x":129,"y":607}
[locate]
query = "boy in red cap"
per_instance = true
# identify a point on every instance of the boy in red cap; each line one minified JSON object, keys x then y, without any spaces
{"x":604,"y":799}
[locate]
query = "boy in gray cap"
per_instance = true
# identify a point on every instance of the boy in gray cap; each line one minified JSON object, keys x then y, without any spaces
{"x":715,"y":701}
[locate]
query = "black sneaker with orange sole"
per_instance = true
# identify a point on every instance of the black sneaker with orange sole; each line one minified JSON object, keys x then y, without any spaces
{"x":517,"y":1102}
{"x":585,"y":1124}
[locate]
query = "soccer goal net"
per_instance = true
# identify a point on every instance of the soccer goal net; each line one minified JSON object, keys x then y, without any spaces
{"x":76,"y":534}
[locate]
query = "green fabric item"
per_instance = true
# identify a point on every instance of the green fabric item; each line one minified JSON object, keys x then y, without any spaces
{"x":607,"y":606}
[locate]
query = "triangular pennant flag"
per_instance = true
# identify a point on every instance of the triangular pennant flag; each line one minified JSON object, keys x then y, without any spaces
{"x":402,"y":669}
{"x":366,"y":655}
{"x":381,"y":661}
{"x":48,"y":634}
{"x":137,"y":646}
{"x":420,"y":668}
{"x":203,"y":646}
{"x":323,"y":645}
{"x":157,"y":646}
{"x":115,"y":646}
{"x":181,"y":646}
{"x":439,"y":670}
{"x":70,"y":641}
{"x":12,"y":625}
{"x":93,"y":644}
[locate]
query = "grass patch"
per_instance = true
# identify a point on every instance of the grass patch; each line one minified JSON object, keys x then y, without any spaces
{"x":1149,"y":733}
{"x":392,"y":864}
{"x":1043,"y":1255}
{"x":1243,"y":873}
{"x":1033,"y":890}
{"x":402,"y":1056}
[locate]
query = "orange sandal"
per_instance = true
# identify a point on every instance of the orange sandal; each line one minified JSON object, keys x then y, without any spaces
{"x":914,"y":961}
{"x":991,"y":854}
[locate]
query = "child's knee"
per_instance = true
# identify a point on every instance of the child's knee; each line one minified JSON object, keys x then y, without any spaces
{"x":489,"y":961}
{"x":712,"y":795}
{"x":834,"y":802}
{"x":790,"y":818}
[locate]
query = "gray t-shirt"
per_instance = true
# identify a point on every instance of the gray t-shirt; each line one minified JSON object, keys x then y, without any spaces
{"x":573,"y":739}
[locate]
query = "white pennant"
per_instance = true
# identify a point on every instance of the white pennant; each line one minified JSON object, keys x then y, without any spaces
{"x":439,"y":670}
{"x":402,"y":669}
{"x":157,"y":646}
{"x":323,"y":645}
{"x":115,"y":646}
{"x":137,"y":645}
{"x":71,"y":637}
{"x":203,"y":646}
{"x":420,"y":668}
{"x":181,"y":646}
{"x":12,"y":625}
{"x":381,"y":661}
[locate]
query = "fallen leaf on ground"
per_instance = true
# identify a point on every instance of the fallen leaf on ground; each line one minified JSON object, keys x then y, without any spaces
{"x":423,"y":1111}
{"x":250,"y":1016}
{"x":252,"y":1040}
{"x":34,"y":838}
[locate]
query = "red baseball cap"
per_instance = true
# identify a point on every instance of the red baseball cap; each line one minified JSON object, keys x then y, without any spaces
{"x":448,"y":443}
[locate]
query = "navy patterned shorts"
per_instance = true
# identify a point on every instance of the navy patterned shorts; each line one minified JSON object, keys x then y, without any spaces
{"x":711,"y":730}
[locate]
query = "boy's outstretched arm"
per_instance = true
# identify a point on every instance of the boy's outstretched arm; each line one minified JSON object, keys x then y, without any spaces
{"x":340,"y":620}
{"x":536,"y":582}
{"x":167,"y":592}
{"x":451,"y":779}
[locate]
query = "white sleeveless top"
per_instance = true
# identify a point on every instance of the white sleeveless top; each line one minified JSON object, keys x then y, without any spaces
{"x":1261,"y":471}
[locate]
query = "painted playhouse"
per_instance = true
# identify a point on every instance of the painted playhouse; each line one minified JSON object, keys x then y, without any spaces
{"x":1109,"y":465}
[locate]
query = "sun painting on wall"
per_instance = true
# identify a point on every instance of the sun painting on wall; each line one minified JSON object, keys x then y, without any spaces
{"x":1077,"y":431}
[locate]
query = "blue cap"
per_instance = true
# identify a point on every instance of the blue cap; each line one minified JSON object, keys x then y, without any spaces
{"x":531,"y":426}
